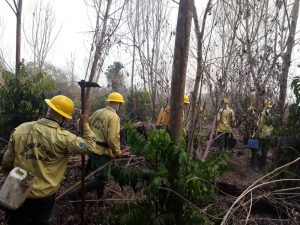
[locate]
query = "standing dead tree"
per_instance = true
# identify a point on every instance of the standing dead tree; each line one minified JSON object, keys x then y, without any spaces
{"x":105,"y":28}
{"x":248,"y":50}
{"x":17,"y":9}
{"x":199,"y":72}
{"x":181,"y":51}
{"x":287,"y":56}
{"x":150,"y":36}
{"x":42,"y":35}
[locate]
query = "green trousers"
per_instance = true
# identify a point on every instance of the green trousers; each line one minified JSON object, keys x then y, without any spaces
{"x":223,"y":140}
{"x":32,"y":212}
{"x":264,"y":145}
{"x":96,"y":161}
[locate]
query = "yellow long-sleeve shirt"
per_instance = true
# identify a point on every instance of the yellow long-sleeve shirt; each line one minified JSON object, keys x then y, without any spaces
{"x":105,"y":123}
{"x":225,"y":120}
{"x":41,"y":148}
{"x":265,"y":126}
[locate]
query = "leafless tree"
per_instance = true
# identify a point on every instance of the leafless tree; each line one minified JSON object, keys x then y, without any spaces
{"x":179,"y":69}
{"x":16,"y":7}
{"x":199,"y":72}
{"x":42,"y":33}
{"x":150,"y":36}
{"x":107,"y":23}
{"x":287,"y":55}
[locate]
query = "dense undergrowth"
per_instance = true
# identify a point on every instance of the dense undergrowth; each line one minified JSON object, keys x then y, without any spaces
{"x":175,"y":189}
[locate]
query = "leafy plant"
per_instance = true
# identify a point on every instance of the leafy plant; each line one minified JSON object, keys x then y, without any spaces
{"x":296,"y":88}
{"x":23,"y":98}
{"x":287,"y":138}
{"x":174,"y":187}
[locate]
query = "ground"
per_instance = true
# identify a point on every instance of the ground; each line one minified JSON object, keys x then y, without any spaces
{"x":231,"y":184}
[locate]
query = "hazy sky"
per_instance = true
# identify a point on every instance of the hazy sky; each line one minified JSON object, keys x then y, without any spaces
{"x":72,"y":17}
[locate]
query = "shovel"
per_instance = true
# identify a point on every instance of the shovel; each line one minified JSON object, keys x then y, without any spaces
{"x":83,"y":84}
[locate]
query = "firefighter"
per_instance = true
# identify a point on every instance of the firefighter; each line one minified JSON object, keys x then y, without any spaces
{"x":225,"y":124}
{"x":163,"y":118}
{"x":105,"y":123}
{"x":265,"y":129}
{"x":41,"y":148}
{"x":251,"y":133}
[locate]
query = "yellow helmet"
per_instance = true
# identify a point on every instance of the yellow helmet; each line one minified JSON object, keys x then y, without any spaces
{"x":186,"y":99}
{"x":268,"y":104}
{"x":62,"y":105}
{"x":115,"y":97}
{"x":226,"y":100}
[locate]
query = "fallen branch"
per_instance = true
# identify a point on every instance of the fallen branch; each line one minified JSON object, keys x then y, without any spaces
{"x":254,"y":186}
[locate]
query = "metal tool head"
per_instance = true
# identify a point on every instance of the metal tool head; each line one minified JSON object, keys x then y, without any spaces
{"x":84,"y":83}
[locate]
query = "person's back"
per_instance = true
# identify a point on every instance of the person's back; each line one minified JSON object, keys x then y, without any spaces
{"x":265,"y":124}
{"x":105,"y":123}
{"x":225,"y":120}
{"x":265,"y":129}
{"x":41,"y":148}
{"x":225,"y":124}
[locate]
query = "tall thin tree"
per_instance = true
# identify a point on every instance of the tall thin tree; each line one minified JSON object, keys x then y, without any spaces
{"x":287,"y":56}
{"x":17,"y":9}
{"x":182,"y":41}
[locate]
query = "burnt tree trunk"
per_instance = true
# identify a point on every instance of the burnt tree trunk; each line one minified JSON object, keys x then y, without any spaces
{"x":287,"y":57}
{"x":199,"y":73}
{"x":18,"y":35}
{"x":98,"y":52}
{"x":180,"y":61}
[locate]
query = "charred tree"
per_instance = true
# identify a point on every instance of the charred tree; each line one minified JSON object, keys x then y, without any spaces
{"x":199,"y":71}
{"x":17,"y":9}
{"x":181,"y":51}
{"x":287,"y":56}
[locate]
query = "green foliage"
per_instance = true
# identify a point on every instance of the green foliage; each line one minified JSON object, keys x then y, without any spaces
{"x":287,"y":138}
{"x":176,"y":186}
{"x":131,"y":213}
{"x":23,"y":98}
{"x":296,"y":88}
{"x":129,"y":176}
{"x":137,"y":105}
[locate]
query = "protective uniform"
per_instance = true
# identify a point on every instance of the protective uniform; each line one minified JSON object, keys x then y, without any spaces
{"x":105,"y":123}
{"x":265,"y":129}
{"x":42,"y":148}
{"x":225,"y":123}
{"x":225,"y":120}
{"x":163,"y":118}
{"x":251,"y":132}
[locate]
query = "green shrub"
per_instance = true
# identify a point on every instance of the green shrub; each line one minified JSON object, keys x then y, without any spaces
{"x":287,"y":138}
{"x":175,"y":186}
{"x":23,"y":98}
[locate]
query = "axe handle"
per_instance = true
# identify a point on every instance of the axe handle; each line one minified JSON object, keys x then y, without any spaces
{"x":82,"y":158}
